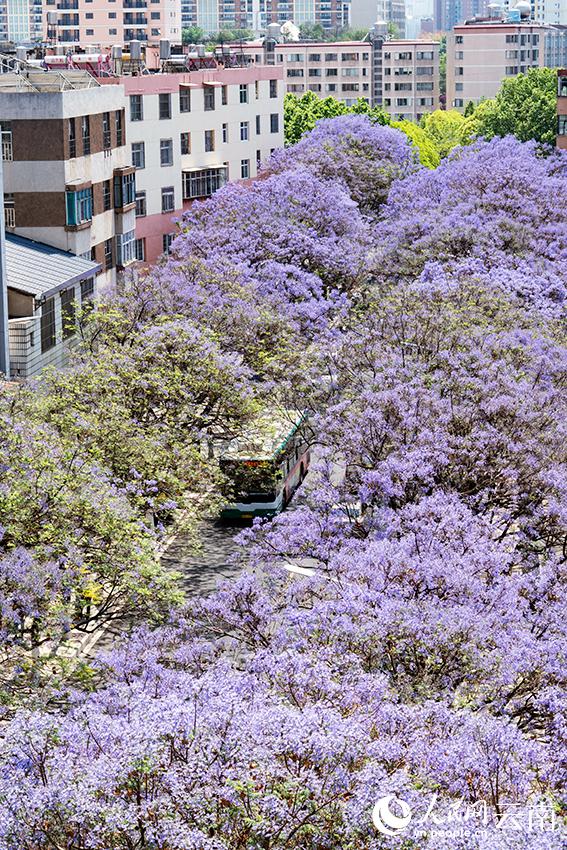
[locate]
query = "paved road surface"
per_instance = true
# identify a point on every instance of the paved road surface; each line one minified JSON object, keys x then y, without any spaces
{"x":215,"y":559}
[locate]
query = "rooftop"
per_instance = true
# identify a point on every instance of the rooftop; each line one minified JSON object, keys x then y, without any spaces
{"x":40,"y":270}
{"x":37,"y":80}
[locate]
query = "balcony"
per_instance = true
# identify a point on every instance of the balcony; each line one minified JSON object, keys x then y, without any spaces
{"x":7,"y":150}
{"x":9,"y":218}
{"x":131,"y":20}
{"x":134,"y":4}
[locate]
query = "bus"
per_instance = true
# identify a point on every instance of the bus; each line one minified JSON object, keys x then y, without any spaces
{"x":265,"y":465}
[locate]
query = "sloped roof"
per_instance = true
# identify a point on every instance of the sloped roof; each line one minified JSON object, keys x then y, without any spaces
{"x":39,"y":270}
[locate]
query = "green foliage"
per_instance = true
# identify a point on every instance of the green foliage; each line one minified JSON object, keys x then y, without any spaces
{"x":428,"y":153}
{"x":312,"y":31}
{"x":469,"y":109}
{"x":524,"y":107}
{"x":193,"y":35}
{"x":228,"y":34}
{"x":315,"y":32}
{"x":444,"y":128}
{"x":302,"y":113}
{"x":443,"y":66}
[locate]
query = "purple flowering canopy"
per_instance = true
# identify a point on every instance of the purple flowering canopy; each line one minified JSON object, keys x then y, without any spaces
{"x":402,"y":629}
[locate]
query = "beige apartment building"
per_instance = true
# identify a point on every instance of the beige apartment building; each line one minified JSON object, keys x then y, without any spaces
{"x":481,"y":54}
{"x":410,"y":78}
{"x":380,"y":72}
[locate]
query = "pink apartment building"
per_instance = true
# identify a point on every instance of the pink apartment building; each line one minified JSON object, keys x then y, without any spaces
{"x":103,"y":24}
{"x":189,"y":134}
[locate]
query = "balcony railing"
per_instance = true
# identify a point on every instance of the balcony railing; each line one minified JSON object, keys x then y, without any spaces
{"x":9,"y":218}
{"x":135,"y":4}
{"x":7,"y":150}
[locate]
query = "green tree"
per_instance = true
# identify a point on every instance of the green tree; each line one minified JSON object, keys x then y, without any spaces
{"x":312,"y":31}
{"x":193,"y":35}
{"x":444,"y":129}
{"x":469,"y":109}
{"x":443,"y":67}
{"x":428,"y":153}
{"x":524,"y":107}
{"x":302,"y":113}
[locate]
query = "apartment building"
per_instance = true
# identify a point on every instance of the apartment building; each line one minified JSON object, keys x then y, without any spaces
{"x":68,"y":178}
{"x":349,"y":70}
{"x":213,"y":15}
{"x":449,"y":13}
{"x":410,"y":78}
{"x":21,"y":21}
{"x":90,"y":22}
{"x":481,"y":54}
{"x":562,"y":109}
{"x":549,"y":11}
{"x":341,"y":69}
{"x":190,"y":133}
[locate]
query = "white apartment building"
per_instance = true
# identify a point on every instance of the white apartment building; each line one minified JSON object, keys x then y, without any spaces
{"x":68,"y":179}
{"x":410,"y":78}
{"x":481,"y":54}
{"x":190,"y":133}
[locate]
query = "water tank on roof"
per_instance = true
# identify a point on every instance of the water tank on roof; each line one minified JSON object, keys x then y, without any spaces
{"x":514,"y":16}
{"x":524,"y":8}
{"x":494,"y":10}
{"x":21,"y":54}
{"x":200,"y":50}
{"x":116,"y":51}
{"x":164,"y":48}
{"x":274,"y":31}
{"x":52,"y":18}
{"x":135,"y":50}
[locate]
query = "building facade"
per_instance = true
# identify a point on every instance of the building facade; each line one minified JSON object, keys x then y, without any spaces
{"x":562,"y":109}
{"x":190,"y":133}
{"x":349,"y":70}
{"x":92,"y":23}
{"x":410,"y":78}
{"x":449,"y":13}
{"x":75,"y":189}
{"x":21,"y":21}
{"x":214,"y":15}
{"x":481,"y":54}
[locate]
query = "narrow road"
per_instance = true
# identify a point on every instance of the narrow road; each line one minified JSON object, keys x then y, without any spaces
{"x":214,"y":560}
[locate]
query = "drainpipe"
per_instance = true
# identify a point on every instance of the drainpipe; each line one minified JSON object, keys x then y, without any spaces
{"x":4,"y":350}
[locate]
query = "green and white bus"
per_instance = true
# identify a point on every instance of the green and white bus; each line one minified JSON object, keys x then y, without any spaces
{"x":265,"y":465}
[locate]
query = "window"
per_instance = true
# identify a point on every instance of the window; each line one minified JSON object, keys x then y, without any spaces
{"x":9,"y":210}
{"x":168,"y":199}
{"x":89,"y":16}
{"x":119,"y":127}
{"x":332,"y":72}
{"x":209,"y":140}
{"x":124,"y":190}
{"x":314,"y":57}
{"x":244,"y":168}
{"x":155,"y":16}
{"x":79,"y":206}
{"x":296,"y":57}
{"x":139,"y":154}
{"x":72,"y":139}
{"x":141,"y":208}
{"x":257,"y":90}
{"x":458,"y":102}
{"x":184,"y":100}
{"x":166,"y":242}
{"x":273,"y":88}
{"x":140,"y":249}
{"x":316,"y":72}
{"x":562,"y":87}
{"x":155,"y":32}
{"x":108,"y":254}
{"x":459,"y":86}
{"x":425,"y":72}
{"x":459,"y":71}
{"x":562,"y":125}
{"x":106,"y":139}
{"x":459,"y":39}
{"x":125,"y":247}
{"x":106,"y":196}
{"x":166,"y":152}
{"x":68,"y":312}
{"x":331,"y":57}
{"x":209,"y":97}
{"x":243,"y":93}
{"x":112,"y":15}
{"x":349,"y":57}
{"x":6,"y":135}
{"x":86,"y":134}
{"x":244,"y":127}
{"x":258,"y":158}
{"x":225,"y":133}
{"x":424,"y":86}
{"x":202,"y":183}
{"x":90,"y":32}
{"x":185,"y":143}
{"x":258,"y":125}
{"x":274,"y":123}
{"x":164,"y":106}
{"x":112,"y":32}
{"x":426,"y":54}
{"x":47,"y":324}
{"x":87,"y":290}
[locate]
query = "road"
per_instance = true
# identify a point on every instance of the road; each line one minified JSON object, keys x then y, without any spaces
{"x":201,"y":570}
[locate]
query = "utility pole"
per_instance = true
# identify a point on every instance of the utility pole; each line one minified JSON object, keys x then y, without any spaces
{"x":4,"y":351}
